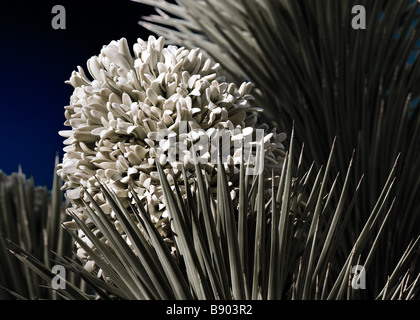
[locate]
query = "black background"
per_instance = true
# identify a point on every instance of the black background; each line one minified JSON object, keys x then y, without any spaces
{"x":36,"y":59}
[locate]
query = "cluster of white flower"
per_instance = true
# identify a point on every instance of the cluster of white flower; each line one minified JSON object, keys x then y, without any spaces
{"x":116,"y":117}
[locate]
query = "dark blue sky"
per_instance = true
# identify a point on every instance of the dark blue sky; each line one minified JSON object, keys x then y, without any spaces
{"x":35,"y":62}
